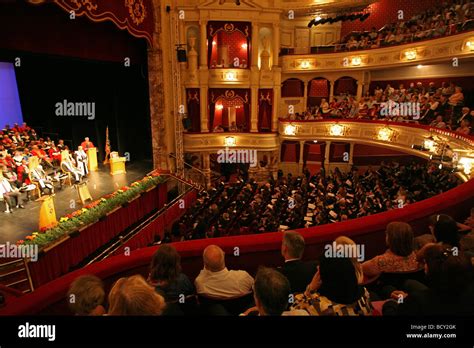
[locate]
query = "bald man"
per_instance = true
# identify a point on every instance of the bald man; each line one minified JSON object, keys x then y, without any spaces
{"x":216,"y":281}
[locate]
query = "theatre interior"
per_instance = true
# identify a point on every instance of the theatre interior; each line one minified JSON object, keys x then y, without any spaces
{"x":220,"y":157}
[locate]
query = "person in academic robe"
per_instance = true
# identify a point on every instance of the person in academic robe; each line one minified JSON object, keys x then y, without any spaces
{"x":87,"y":144}
{"x":45,"y":182}
{"x":10,"y":195}
{"x":55,"y":153}
{"x":68,"y":165}
{"x":81,"y":160}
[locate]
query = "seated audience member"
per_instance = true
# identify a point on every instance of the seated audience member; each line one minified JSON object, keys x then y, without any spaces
{"x":338,"y":294}
{"x":464,"y":128}
{"x":470,"y":220}
{"x":82,"y":160}
{"x":233,"y":127}
{"x":457,"y":97}
{"x":216,"y":281}
{"x":218,"y":129}
{"x":445,"y":232}
{"x":86,"y":296}
{"x":438,"y":122}
{"x":45,"y":182}
{"x":134,"y":296}
{"x":465,"y":115}
{"x":10,"y":194}
{"x":166,"y":276}
{"x":341,"y":240}
{"x":272,"y":293}
{"x":450,"y":289}
{"x":298,"y":272}
{"x":400,"y":256}
{"x":324,"y":107}
{"x":68,"y":166}
{"x":467,"y":246}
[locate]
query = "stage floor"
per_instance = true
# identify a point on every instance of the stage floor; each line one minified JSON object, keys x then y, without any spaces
{"x":23,"y":222}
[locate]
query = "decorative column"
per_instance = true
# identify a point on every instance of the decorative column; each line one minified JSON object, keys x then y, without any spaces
{"x":192,"y":59}
{"x":206,"y":160}
{"x":254,"y":109}
{"x":276,"y":43}
{"x":253,"y":171}
{"x":360,"y":87}
{"x":254,"y":43}
{"x":203,"y":105}
{"x":326,"y":156}
{"x":331,"y":90}
{"x":300,"y":164}
{"x":203,"y":44}
{"x":351,"y":155}
{"x":157,"y":96}
{"x":275,"y":108}
{"x":305,"y":96}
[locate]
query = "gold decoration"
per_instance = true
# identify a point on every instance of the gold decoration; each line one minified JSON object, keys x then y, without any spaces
{"x":137,"y":10}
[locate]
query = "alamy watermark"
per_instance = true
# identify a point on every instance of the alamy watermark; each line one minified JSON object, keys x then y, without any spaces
{"x":13,"y":251}
{"x":84,"y":109}
{"x":229,"y":155}
{"x":393,"y":108}
{"x":335,"y":250}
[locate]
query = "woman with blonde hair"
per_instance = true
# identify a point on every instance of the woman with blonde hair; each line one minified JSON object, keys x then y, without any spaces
{"x":134,"y":296}
{"x":400,"y":255}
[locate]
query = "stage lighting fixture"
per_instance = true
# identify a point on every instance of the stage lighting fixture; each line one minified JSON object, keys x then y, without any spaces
{"x":436,"y":158}
{"x":311,"y":23}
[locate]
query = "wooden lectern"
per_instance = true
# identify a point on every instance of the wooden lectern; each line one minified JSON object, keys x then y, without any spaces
{"x":117,"y":164}
{"x":47,"y":216}
{"x":92,"y":159}
{"x":83,"y":192}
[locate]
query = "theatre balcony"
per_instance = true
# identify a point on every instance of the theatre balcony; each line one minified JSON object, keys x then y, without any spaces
{"x":443,"y":147}
{"x":458,"y":46}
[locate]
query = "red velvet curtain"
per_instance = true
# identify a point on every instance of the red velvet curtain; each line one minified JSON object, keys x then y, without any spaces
{"x":213,"y":27}
{"x":292,"y":88}
{"x":318,"y":89}
{"x":265,"y":110}
{"x":346,"y":85}
{"x":235,"y":96}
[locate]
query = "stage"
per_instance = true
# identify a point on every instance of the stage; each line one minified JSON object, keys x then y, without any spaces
{"x":23,"y":222}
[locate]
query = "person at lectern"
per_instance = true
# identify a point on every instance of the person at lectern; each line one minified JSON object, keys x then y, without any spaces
{"x":82,"y":159}
{"x":87,"y":144}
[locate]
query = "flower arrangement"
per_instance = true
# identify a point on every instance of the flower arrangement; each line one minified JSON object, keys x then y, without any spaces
{"x":91,"y":212}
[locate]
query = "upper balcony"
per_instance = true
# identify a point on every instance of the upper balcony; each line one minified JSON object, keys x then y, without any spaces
{"x":421,"y":52}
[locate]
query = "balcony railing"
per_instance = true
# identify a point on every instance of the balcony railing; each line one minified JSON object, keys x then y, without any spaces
{"x":418,"y":52}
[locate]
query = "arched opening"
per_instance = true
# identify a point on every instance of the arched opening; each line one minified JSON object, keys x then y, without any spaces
{"x":318,"y":89}
{"x":345,"y":86}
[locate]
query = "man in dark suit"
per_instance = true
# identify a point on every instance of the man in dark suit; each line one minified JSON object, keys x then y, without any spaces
{"x":298,"y":272}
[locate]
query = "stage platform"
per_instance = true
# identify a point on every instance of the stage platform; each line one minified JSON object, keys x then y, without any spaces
{"x":22,"y":222}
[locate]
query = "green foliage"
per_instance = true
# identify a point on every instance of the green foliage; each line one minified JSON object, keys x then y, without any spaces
{"x":91,"y":213}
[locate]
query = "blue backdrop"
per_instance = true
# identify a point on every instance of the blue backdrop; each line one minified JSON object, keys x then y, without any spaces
{"x":10,"y":107}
